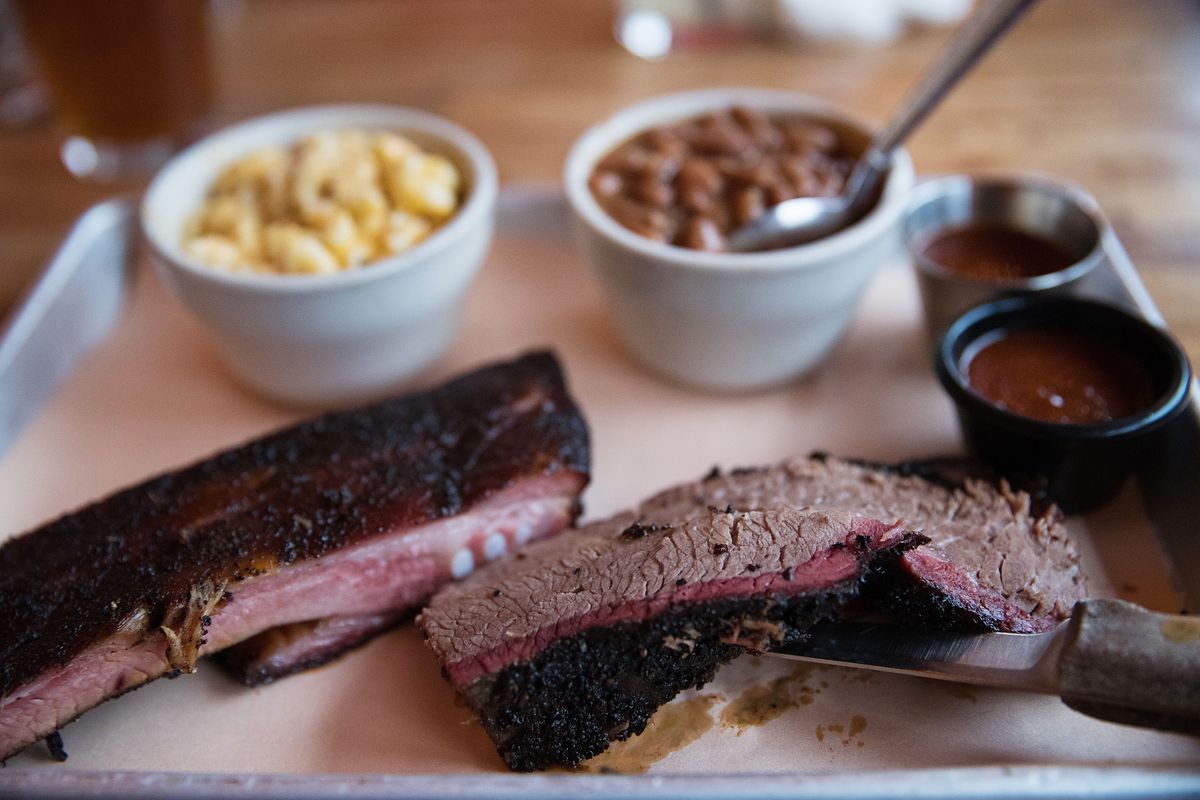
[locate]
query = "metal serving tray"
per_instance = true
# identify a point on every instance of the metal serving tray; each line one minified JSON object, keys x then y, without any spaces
{"x":533,"y":292}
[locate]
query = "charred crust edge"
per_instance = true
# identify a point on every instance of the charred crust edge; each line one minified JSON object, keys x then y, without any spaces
{"x":572,"y":699}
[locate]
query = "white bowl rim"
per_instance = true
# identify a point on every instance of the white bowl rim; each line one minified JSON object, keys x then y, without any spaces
{"x":306,"y":119}
{"x":607,"y":134}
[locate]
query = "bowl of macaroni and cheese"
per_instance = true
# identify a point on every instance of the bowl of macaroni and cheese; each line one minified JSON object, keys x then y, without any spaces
{"x":328,"y":249}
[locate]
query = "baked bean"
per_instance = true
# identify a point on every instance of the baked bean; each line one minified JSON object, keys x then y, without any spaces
{"x":666,"y":142}
{"x":758,"y":127}
{"x":652,"y":223}
{"x":652,"y":191}
{"x":721,"y":137}
{"x":802,"y":175}
{"x":693,"y":182}
{"x":804,"y":137}
{"x":698,"y":185}
{"x":748,"y":204}
{"x":700,"y":233}
{"x":644,"y":166}
{"x":799,"y":173}
{"x":734,"y":171}
{"x":699,"y":174}
{"x":629,"y":157}
{"x":830,"y":175}
{"x":780,"y":190}
{"x":763,"y":174}
{"x":695,"y":199}
{"x":605,"y":184}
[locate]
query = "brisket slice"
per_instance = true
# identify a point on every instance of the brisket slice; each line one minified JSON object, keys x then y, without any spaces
{"x":344,"y":523}
{"x":577,"y":643}
{"x":994,"y":561}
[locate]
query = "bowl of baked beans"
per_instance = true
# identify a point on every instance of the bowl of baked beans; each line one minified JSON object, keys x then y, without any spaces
{"x":327,"y":249}
{"x":656,"y":189}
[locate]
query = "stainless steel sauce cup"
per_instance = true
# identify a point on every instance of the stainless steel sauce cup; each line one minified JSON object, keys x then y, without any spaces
{"x":1060,"y":213}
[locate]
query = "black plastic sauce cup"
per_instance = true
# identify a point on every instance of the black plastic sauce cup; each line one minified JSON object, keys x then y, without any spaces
{"x":1081,"y":466}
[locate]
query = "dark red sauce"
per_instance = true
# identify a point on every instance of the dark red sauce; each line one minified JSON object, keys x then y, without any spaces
{"x":996,"y":252}
{"x":1059,"y":376}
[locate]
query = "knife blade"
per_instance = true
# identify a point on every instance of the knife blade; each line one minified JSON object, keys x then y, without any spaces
{"x":1025,"y":661}
{"x":70,"y":308}
{"x":1112,"y":660}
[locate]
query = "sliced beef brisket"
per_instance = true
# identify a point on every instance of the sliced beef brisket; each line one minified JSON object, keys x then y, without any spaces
{"x":576,"y":644}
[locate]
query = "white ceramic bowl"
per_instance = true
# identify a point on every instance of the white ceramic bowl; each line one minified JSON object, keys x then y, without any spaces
{"x":329,"y":339}
{"x":731,"y":320}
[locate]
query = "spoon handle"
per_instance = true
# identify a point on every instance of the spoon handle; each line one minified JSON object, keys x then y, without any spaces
{"x":966,"y":47}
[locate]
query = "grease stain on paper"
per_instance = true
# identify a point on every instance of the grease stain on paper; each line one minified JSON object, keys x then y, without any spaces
{"x":758,"y":705}
{"x":673,"y":727}
{"x":847,"y":734}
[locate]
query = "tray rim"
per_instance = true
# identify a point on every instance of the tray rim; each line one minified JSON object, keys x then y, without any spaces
{"x":1010,"y":781}
{"x":1021,"y":781}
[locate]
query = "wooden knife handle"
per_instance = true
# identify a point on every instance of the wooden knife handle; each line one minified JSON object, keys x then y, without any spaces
{"x":1125,"y":664}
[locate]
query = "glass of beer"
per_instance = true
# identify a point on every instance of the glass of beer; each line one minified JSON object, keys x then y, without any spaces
{"x":132,"y":79}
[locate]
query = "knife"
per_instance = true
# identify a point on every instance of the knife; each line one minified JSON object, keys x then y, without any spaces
{"x":70,"y":308}
{"x":1111,"y":660}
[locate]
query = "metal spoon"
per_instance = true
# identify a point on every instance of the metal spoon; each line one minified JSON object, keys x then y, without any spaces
{"x":804,"y":219}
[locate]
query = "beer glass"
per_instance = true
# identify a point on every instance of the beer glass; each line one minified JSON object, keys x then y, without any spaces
{"x":132,"y":79}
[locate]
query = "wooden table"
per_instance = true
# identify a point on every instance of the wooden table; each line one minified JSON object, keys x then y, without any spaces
{"x":1101,"y":93}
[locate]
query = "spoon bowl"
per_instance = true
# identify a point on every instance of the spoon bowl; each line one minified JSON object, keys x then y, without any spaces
{"x":792,"y":222}
{"x":803,"y":219}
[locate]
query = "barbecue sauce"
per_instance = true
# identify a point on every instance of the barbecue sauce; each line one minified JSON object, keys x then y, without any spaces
{"x":996,"y":252}
{"x":1060,"y":377}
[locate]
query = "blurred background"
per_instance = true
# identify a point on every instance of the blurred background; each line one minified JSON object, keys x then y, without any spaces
{"x":1105,"y":93}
